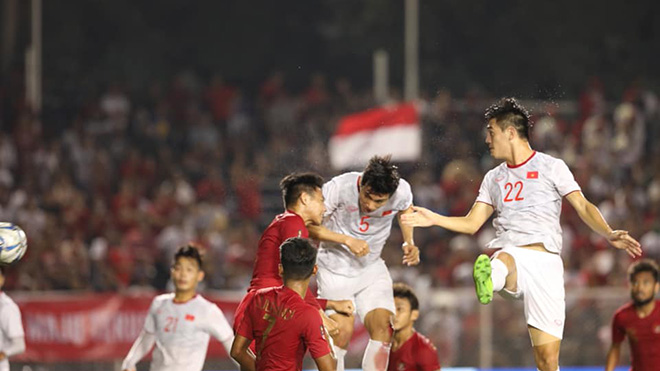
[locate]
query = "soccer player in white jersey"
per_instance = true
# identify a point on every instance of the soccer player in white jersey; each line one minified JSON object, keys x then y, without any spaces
{"x":526,"y":190}
{"x":180,"y":323}
{"x":360,"y":208}
{"x":12,"y":337}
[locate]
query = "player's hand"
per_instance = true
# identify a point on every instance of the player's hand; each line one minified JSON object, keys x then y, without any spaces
{"x":359,"y":248}
{"x":622,"y":240}
{"x":342,"y":306}
{"x":331,"y":325}
{"x":410,"y":254}
{"x":421,"y":217}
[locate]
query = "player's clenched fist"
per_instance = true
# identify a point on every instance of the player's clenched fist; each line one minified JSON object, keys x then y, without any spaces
{"x":341,"y":306}
{"x":359,"y":248}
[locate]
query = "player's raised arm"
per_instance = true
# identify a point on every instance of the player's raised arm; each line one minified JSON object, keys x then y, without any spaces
{"x":239,"y":352}
{"x":592,"y":217}
{"x":140,"y":348}
{"x":470,"y":223}
{"x":358,"y":247}
{"x":410,"y":250}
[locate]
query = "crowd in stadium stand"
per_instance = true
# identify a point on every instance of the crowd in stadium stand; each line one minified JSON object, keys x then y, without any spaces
{"x":133,"y":175}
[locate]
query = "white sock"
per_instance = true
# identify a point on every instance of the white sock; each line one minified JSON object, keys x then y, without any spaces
{"x":376,"y":356}
{"x":340,"y":354}
{"x":498,"y":274}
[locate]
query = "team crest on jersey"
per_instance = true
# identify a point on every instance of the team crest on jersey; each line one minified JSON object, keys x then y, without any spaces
{"x":352,"y":208}
{"x":401,"y":366}
{"x":189,"y":317}
{"x":532,"y":175}
{"x":657,"y":329}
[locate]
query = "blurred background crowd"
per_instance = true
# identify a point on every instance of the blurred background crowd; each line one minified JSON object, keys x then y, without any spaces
{"x":107,"y":199}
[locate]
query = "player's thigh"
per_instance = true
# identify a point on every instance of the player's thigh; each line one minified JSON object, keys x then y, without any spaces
{"x":377,"y":292}
{"x":334,"y":286}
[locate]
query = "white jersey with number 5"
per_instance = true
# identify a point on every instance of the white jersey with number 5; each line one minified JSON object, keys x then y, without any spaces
{"x":343,"y":216}
{"x":182,"y":331}
{"x":527,"y":199}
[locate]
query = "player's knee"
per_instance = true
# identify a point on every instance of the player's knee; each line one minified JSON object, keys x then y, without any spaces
{"x":507,"y":260}
{"x":345,"y":325}
{"x":547,"y":361}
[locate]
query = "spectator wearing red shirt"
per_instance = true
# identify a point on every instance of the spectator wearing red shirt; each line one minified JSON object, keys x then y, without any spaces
{"x":281,"y":322}
{"x":411,"y":351}
{"x":639,"y":320}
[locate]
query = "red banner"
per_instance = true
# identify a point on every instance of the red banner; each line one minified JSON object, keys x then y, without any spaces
{"x":99,"y":327}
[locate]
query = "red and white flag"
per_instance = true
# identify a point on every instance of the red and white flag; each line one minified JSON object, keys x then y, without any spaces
{"x":391,"y":130}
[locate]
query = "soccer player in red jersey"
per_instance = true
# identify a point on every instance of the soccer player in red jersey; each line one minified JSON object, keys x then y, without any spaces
{"x":303,"y":201}
{"x":282,"y":323}
{"x":411,"y":351}
{"x":639,"y":320}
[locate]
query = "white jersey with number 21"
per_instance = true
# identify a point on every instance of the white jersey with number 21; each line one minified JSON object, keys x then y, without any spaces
{"x":527,"y":199}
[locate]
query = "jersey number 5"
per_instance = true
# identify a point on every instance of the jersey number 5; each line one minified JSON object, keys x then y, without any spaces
{"x":518,"y":186}
{"x":364,"y":224}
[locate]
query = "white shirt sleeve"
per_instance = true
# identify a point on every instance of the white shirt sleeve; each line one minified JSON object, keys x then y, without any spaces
{"x":150,"y":321}
{"x":564,"y":181}
{"x":407,"y":196}
{"x":219,"y":327}
{"x":11,"y":323}
{"x":484,"y":194}
{"x":331,"y":196}
{"x":140,"y":348}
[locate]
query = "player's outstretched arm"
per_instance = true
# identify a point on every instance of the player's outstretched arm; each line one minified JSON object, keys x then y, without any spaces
{"x":140,"y":348}
{"x":468,"y":224}
{"x":613,"y":356}
{"x":239,"y":352}
{"x":326,"y":363}
{"x":592,"y":217}
{"x":358,"y":247}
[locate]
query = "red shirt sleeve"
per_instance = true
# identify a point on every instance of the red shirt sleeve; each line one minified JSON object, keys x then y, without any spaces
{"x":293,"y":227}
{"x":314,"y":301}
{"x":427,"y":359}
{"x":618,"y":332}
{"x":245,"y":327}
{"x":313,"y":333}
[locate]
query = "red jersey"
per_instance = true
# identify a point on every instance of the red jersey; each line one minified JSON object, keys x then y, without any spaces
{"x":284,"y":226}
{"x":417,"y":353}
{"x":643,"y":336}
{"x":283,"y":326}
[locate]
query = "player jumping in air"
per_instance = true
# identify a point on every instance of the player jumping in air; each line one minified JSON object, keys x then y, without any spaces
{"x":411,"y":351}
{"x":360,"y":208}
{"x":180,"y":324}
{"x":639,"y":320}
{"x":303,"y":203}
{"x":526,"y":190}
{"x":281,"y":321}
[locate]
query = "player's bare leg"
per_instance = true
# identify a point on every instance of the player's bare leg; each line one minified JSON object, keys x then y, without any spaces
{"x":494,"y":275}
{"x":376,"y":355}
{"x":345,"y":325}
{"x":546,"y":349}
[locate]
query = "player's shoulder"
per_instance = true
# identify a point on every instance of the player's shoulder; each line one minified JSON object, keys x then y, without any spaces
{"x":164,"y":298}
{"x":7,"y":302}
{"x":547,"y":159}
{"x":624,"y":310}
{"x":422,"y":342}
{"x":350,"y":178}
{"x":404,"y":188}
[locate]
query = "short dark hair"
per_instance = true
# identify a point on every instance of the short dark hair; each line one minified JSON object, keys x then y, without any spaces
{"x":381,"y":175}
{"x":644,"y":265}
{"x":298,"y":257}
{"x":403,"y":291}
{"x":293,"y":185}
{"x":188,"y":251}
{"x":508,"y":112}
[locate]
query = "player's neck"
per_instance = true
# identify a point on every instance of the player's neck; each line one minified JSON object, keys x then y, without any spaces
{"x":299,"y":287}
{"x":645,"y":309}
{"x":520,"y":152}
{"x":298,"y":211}
{"x":401,"y":336}
{"x":184,"y":296}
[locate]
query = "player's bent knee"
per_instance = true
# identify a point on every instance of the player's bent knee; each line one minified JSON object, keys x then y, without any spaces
{"x":547,"y":357}
{"x":345,"y":324}
{"x":378,"y":323}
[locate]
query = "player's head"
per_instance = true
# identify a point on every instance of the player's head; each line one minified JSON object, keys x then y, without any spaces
{"x":187,"y":269}
{"x":297,"y":259}
{"x":301,"y":192}
{"x":507,"y":121}
{"x":407,"y":306}
{"x":378,"y":183}
{"x":644,"y":285}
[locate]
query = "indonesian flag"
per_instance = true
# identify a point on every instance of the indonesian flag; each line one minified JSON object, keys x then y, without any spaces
{"x":391,"y":130}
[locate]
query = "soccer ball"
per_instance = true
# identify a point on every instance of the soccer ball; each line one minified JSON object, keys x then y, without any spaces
{"x":13,"y":243}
